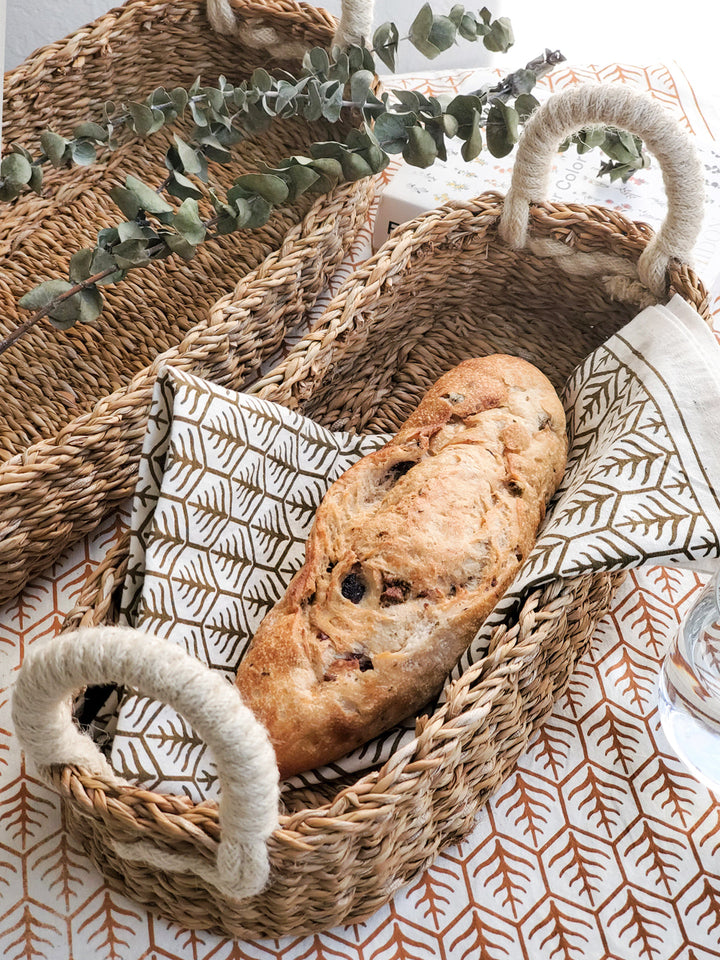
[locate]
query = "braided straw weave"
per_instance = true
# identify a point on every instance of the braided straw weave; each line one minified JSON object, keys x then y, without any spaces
{"x":443,"y":288}
{"x":73,"y":405}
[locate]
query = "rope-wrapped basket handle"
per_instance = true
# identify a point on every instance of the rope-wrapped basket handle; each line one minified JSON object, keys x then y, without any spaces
{"x":618,"y":106}
{"x":247,"y":770}
{"x":354,"y":27}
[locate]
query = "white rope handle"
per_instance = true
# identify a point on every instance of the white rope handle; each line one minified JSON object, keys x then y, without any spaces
{"x":247,"y":770}
{"x":618,"y":106}
{"x":354,"y":27}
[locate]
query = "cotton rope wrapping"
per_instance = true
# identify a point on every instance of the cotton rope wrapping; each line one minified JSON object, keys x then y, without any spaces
{"x":618,"y":106}
{"x":248,"y":774}
{"x":354,"y":27}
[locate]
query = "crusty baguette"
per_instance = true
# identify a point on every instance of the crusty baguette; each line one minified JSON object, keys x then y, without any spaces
{"x":409,"y":552}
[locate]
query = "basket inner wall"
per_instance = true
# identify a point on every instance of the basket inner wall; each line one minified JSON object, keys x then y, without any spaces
{"x":487,"y":299}
{"x":60,"y":375}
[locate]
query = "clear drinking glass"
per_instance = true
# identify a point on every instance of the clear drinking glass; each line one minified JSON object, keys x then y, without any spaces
{"x":689,"y":687}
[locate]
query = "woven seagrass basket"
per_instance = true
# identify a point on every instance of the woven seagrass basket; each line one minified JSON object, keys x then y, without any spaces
{"x":461,"y":281}
{"x":73,"y":404}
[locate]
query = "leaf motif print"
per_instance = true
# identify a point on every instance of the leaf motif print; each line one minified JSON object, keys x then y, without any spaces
{"x":527,"y":805}
{"x":211,"y":510}
{"x":110,"y":927}
{"x":650,"y":620}
{"x":660,"y":856}
{"x":707,"y":905}
{"x":581,"y":866}
{"x":28,"y":939}
{"x":397,"y":944}
{"x":673,"y":790}
{"x":599,"y":800}
{"x":619,"y":737}
{"x":510,"y":878}
{"x":551,"y":746}
{"x":560,"y":934}
{"x":632,"y":675}
{"x":226,"y":444}
{"x":485,"y":936}
{"x":641,"y":924}
{"x":25,"y":807}
{"x":64,"y":869}
{"x":434,"y":888}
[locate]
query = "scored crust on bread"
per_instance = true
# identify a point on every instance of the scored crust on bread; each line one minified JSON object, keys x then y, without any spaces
{"x":410,"y":550}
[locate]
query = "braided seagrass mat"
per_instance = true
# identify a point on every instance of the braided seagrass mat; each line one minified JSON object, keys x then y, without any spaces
{"x":524,"y":884}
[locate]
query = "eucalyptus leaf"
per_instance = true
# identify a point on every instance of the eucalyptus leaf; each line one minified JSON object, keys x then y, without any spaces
{"x":131,"y":253}
{"x":187,"y":154}
{"x":456,"y":14}
{"x":103,"y":260}
{"x":526,"y":104}
{"x":142,"y":119}
{"x":181,"y":187}
{"x":83,"y":152}
{"x":391,"y":132}
{"x":501,"y":129}
{"x":179,"y":98}
{"x":332,"y":96}
{"x":90,"y":131}
{"x":501,"y":37}
{"x":442,"y":33}
{"x":81,"y":265}
{"x":179,"y":245}
{"x":188,"y":223}
{"x":270,"y":188}
{"x":16,"y":169}
{"x":329,"y":173}
{"x":148,"y":199}
{"x":90,"y":305}
{"x":39,"y":297}
{"x":468,"y":28}
{"x":55,"y":147}
{"x":385,"y":44}
{"x":66,"y":314}
{"x":9,"y":192}
{"x":36,"y":178}
{"x":523,"y":81}
{"x":355,"y":167}
{"x":130,"y":230}
{"x":127,"y":200}
{"x":312,"y":110}
{"x":340,"y":69}
{"x":319,"y":61}
{"x":360,"y":84}
{"x":473,"y":143}
{"x":420,"y":149}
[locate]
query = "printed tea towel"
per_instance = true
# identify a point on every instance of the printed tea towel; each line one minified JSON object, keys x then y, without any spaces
{"x":229,"y":485}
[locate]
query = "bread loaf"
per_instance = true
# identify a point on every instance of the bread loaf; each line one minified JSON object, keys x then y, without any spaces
{"x":409,"y":552}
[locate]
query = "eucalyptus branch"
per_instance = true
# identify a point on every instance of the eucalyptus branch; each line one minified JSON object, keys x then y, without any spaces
{"x":331,"y":82}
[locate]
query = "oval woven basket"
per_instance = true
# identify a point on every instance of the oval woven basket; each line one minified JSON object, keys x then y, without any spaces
{"x":73,"y":404}
{"x":454,"y":283}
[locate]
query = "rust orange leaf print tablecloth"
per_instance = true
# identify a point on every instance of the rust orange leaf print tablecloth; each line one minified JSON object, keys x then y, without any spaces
{"x":600,"y":847}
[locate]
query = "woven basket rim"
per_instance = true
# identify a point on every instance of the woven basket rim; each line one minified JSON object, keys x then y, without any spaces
{"x":74,"y":44}
{"x":456,"y":220}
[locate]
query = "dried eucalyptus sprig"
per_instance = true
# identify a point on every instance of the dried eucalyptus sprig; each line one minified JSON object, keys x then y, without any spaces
{"x":331,"y":82}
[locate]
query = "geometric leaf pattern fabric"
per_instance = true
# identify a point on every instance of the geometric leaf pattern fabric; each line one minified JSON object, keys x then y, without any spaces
{"x":228,"y":489}
{"x":229,"y":485}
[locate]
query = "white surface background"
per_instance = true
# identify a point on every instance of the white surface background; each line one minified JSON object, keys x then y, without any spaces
{"x":643,"y":32}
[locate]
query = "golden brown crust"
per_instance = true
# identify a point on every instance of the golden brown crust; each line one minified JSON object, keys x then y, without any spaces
{"x":410,"y":550}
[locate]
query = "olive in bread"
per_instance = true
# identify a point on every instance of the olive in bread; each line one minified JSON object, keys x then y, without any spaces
{"x":410,"y":550}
